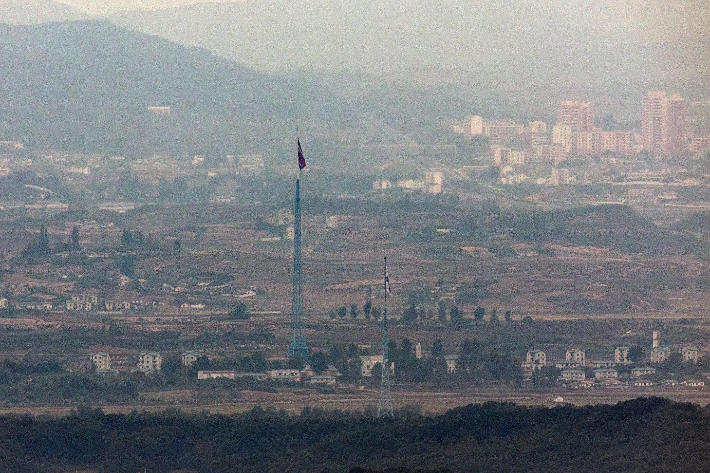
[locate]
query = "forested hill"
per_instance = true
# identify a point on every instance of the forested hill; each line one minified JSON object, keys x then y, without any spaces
{"x":86,"y":86}
{"x":642,"y":435}
{"x":617,"y":227}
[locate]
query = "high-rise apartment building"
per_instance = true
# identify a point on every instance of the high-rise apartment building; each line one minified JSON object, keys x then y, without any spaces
{"x":676,"y":139}
{"x":579,"y":116}
{"x":663,"y":124}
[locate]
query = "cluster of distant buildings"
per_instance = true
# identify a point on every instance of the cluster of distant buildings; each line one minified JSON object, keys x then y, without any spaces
{"x":431,"y":184}
{"x":664,"y":132}
{"x":151,"y":362}
{"x":148,"y":362}
{"x":576,"y":367}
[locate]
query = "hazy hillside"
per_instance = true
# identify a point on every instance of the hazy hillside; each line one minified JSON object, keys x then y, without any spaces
{"x":86,"y":86}
{"x":609,"y":49}
{"x":29,"y":12}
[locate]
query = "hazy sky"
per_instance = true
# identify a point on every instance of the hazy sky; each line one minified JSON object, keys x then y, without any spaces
{"x":95,"y":7}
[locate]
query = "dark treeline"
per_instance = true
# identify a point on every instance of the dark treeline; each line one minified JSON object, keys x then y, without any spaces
{"x":642,"y":435}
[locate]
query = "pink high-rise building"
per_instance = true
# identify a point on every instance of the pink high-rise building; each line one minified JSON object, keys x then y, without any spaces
{"x":663,"y":124}
{"x":579,"y":116}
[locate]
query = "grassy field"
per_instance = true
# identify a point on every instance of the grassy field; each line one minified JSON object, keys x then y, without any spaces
{"x":366,"y":400}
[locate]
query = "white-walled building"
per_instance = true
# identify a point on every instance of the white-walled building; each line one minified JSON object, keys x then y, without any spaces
{"x":285,"y":375}
{"x":536,"y":357}
{"x":368,"y":363}
{"x":451,"y":361}
{"x":150,"y":361}
{"x":101,"y":360}
{"x":189,"y":357}
{"x":573,"y":374}
{"x":621,"y":355}
{"x":575,"y":355}
{"x":690,"y":354}
{"x":433,"y":182}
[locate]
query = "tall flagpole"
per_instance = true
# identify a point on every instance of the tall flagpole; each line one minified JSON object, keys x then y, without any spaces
{"x":384,"y":408}
{"x":297,"y":347}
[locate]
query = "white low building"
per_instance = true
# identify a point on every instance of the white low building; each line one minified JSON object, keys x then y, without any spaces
{"x":573,"y":374}
{"x":285,"y":375}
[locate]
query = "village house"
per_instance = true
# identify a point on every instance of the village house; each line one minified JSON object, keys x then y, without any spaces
{"x":101,"y":361}
{"x":690,"y":354}
{"x":149,"y":362}
{"x":451,"y":361}
{"x":215,"y":374}
{"x":572,"y":374}
{"x":285,"y":375}
{"x":605,"y":373}
{"x":189,"y":357}
{"x":534,"y":360}
{"x":575,"y":355}
{"x":621,"y":355}
{"x":642,"y":371}
{"x":660,"y":354}
{"x":368,"y":363}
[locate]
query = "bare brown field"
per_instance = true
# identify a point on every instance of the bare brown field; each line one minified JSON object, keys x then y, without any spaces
{"x":429,"y":402}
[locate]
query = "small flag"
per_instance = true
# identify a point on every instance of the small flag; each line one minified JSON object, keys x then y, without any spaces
{"x":387,"y":279}
{"x":301,"y":159}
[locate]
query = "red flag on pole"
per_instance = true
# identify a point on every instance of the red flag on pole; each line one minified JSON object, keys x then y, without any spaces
{"x":301,"y":159}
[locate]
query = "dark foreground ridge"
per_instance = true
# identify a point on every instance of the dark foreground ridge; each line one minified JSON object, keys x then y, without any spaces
{"x":644,"y":435}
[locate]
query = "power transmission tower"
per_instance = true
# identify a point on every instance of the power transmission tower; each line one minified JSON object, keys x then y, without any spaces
{"x":384,"y":408}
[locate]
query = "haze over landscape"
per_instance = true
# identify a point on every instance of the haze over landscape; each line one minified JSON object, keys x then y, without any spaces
{"x":173,"y":299}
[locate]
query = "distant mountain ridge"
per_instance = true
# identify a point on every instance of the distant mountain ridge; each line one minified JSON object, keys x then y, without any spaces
{"x":30,"y":12}
{"x":611,"y":48}
{"x":86,"y":86}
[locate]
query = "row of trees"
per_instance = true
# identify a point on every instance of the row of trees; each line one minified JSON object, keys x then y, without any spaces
{"x":413,"y":313}
{"x":40,"y":247}
{"x":639,"y":435}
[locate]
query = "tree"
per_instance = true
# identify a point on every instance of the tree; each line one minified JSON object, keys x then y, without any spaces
{"x":239,"y":312}
{"x":437,"y":348}
{"x":442,"y":311}
{"x":367,"y":308}
{"x":546,"y":376}
{"x":470,"y":359}
{"x":636,"y":353}
{"x":479,"y":313}
{"x":410,"y":314}
{"x":255,"y":363}
{"x":202,"y":363}
{"x":494,"y":316}
{"x":319,"y":362}
{"x":171,"y":366}
{"x":353,"y":311}
{"x":342,"y":311}
{"x":455,"y":314}
{"x":127,"y":266}
{"x":376,"y":313}
{"x":126,"y":238}
{"x":508,"y":316}
{"x":296,"y":362}
{"x":43,"y":243}
{"x":74,"y":244}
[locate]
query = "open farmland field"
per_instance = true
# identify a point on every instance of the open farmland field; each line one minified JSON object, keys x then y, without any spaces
{"x":294,"y":401}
